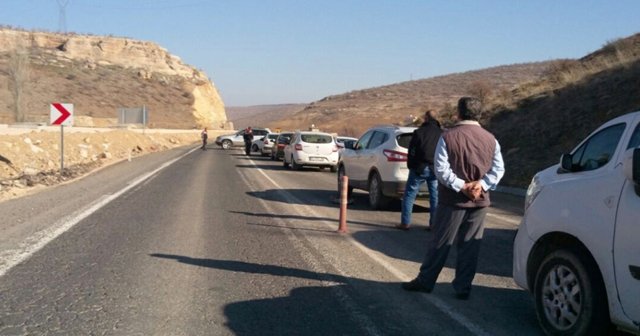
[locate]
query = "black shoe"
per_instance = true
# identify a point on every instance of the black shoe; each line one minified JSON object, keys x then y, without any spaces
{"x":462,"y":296}
{"x":415,"y":286}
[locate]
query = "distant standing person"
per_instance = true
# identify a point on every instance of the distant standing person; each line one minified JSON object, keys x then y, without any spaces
{"x":468,"y":164}
{"x":420,"y":163}
{"x":204,"y":137}
{"x":248,"y":138}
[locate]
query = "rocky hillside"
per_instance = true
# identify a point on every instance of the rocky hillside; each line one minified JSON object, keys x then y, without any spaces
{"x":539,"y":121}
{"x":99,"y":75}
{"x":353,"y":112}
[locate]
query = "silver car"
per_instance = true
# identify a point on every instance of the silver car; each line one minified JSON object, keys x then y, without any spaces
{"x":228,"y":141}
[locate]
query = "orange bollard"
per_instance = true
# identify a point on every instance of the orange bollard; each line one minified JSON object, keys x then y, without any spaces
{"x":343,"y":205}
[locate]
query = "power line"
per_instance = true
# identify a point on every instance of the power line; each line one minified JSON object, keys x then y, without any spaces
{"x":62,"y":18}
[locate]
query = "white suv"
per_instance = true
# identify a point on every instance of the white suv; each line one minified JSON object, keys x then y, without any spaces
{"x":311,"y":149}
{"x":377,"y":163}
{"x":577,"y":249}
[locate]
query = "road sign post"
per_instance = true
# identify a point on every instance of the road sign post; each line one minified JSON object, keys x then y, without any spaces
{"x":61,"y":114}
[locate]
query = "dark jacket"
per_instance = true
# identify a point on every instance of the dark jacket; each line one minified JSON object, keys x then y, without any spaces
{"x":422,"y":147}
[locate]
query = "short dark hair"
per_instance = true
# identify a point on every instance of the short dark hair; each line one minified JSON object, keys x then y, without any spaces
{"x":469,"y":108}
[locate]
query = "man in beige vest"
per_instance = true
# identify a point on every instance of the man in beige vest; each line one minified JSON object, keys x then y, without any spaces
{"x":468,"y":164}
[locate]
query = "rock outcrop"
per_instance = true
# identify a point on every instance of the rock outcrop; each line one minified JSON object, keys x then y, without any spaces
{"x":176,"y":94}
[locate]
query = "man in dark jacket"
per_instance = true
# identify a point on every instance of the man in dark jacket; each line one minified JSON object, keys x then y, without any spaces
{"x":248,"y":139}
{"x":420,"y":163}
{"x":468,"y":164}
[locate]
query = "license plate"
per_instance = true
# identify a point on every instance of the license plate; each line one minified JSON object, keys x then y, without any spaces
{"x":315,"y":159}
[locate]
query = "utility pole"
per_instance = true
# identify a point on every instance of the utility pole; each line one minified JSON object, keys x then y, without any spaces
{"x":62,"y":19}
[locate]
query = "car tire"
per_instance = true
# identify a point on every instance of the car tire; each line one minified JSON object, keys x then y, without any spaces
{"x":377,"y":200}
{"x":226,"y":144}
{"x":333,"y":169}
{"x":569,"y":295}
{"x":285,"y":163}
{"x":255,"y":148}
{"x":341,"y":173}
{"x":294,"y":165}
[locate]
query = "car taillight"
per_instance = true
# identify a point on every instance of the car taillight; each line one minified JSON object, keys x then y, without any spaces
{"x":265,"y":141}
{"x":393,"y":156}
{"x":298,"y":147}
{"x":335,"y":148}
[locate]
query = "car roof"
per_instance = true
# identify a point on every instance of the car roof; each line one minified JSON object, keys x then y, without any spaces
{"x":394,"y":128}
{"x":314,"y":132}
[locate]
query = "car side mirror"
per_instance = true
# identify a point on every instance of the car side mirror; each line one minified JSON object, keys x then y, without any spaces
{"x":566,"y":163}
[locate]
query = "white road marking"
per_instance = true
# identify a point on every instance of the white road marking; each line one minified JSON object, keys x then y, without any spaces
{"x":38,"y":240}
{"x":438,"y":303}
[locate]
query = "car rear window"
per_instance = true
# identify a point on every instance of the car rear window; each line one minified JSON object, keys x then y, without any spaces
{"x":316,"y":138}
{"x":284,"y":138}
{"x":272,"y":136}
{"x":404,"y":139}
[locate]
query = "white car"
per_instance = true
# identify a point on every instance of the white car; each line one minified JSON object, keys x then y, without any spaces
{"x":311,"y":149}
{"x":378,"y":164}
{"x":229,"y":141}
{"x":578,"y":246}
{"x":264,"y":145}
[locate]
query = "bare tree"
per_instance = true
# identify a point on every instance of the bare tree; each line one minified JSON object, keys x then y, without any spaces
{"x":480,"y":89}
{"x":18,"y":72}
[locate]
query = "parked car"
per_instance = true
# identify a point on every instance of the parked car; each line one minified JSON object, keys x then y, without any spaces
{"x":278,"y":150}
{"x":228,"y":141}
{"x":264,"y":145}
{"x":311,"y":149}
{"x":378,"y":164}
{"x":345,"y":142}
{"x":577,"y":248}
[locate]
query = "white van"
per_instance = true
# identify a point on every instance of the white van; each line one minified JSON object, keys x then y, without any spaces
{"x":578,"y":246}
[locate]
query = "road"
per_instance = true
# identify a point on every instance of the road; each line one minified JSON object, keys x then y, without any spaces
{"x":190,"y":242}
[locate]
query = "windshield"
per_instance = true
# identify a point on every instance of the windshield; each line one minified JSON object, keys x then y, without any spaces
{"x":316,"y":138}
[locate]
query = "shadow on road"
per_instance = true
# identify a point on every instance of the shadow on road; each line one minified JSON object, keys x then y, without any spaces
{"x":496,"y":252}
{"x":305,"y":218}
{"x":351,"y":306}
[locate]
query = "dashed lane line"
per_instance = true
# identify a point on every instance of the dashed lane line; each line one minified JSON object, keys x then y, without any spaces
{"x":438,"y":303}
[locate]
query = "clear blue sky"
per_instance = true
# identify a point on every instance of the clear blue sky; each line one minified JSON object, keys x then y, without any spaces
{"x":298,"y":51}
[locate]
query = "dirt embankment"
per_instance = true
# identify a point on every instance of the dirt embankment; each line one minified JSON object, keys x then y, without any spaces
{"x":30,"y":158}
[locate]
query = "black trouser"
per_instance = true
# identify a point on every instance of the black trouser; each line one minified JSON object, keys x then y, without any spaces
{"x":247,"y":148}
{"x":467,"y":224}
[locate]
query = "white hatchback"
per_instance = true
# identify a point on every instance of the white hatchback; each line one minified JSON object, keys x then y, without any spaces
{"x":316,"y":149}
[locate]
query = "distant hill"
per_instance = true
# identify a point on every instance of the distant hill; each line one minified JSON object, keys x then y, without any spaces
{"x":260,"y":115}
{"x":536,"y":110}
{"x":353,"y":112}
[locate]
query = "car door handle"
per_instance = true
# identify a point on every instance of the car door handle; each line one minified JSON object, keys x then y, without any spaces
{"x":635,"y":271}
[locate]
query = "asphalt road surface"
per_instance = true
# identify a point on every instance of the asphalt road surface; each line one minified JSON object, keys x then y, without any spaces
{"x":191,"y":242}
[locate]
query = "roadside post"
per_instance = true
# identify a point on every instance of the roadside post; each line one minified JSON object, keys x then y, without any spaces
{"x":344,"y":199}
{"x":61,"y":114}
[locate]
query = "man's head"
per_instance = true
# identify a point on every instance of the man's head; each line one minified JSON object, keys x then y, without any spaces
{"x":469,"y":108}
{"x":429,"y":115}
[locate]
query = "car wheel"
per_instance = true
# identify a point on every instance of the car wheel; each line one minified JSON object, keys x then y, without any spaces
{"x":377,"y":200}
{"x":349,"y":187}
{"x":333,"y":169}
{"x":285,"y":163}
{"x":294,"y":165}
{"x":226,"y":144}
{"x":569,"y":296}
{"x":255,"y":148}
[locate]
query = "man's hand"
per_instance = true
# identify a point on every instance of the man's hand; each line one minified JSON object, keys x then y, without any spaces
{"x":472,"y":190}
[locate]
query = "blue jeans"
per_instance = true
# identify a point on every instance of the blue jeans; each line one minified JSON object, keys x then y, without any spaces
{"x":411,"y":191}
